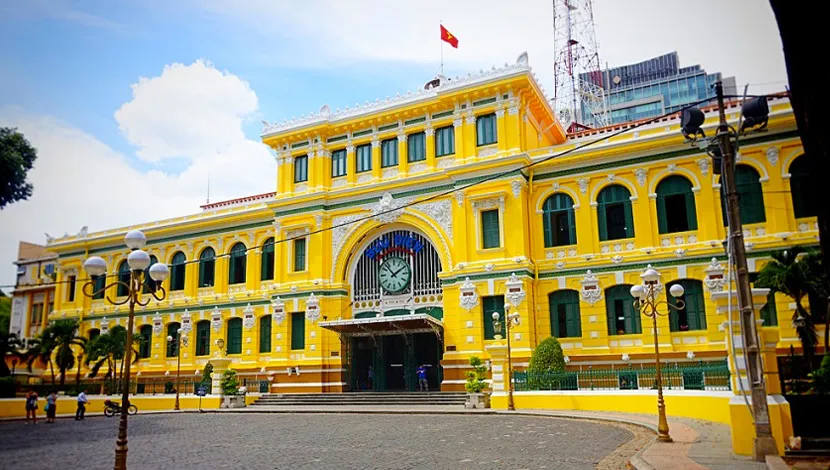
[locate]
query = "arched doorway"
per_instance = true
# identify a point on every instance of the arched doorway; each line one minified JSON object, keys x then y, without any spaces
{"x":397,"y":312}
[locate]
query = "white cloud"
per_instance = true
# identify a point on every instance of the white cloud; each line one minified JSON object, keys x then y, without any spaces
{"x":78,"y":180}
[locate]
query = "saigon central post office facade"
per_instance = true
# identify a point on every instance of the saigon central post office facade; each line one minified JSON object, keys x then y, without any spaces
{"x":338,"y":271}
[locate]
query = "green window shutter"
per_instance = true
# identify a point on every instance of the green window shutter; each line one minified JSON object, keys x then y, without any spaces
{"x":234,"y":333}
{"x":618,"y":300}
{"x":750,"y":195}
{"x":805,"y":196}
{"x":301,"y":169}
{"x":486,"y":129}
{"x":267,"y":261}
{"x":695,"y":304}
{"x":602,"y":222}
{"x":297,"y":330}
{"x":231,"y":269}
{"x":201,"y":273}
{"x":203,"y":338}
{"x":662,"y":218}
{"x":265,"y":334}
{"x":299,"y":254}
{"x":389,"y":153}
{"x":769,"y":312}
{"x":674,"y":318}
{"x":124,"y":277}
{"x":488,"y":306}
{"x":363,"y":158}
{"x":416,"y":147}
{"x":444,"y":141}
{"x":572,"y":225}
{"x":629,"y":220}
{"x":567,"y":301}
{"x":172,"y":346}
{"x":338,"y":163}
{"x":177,"y":274}
{"x":547,"y":224}
{"x":490,"y":229}
{"x":691,"y":212}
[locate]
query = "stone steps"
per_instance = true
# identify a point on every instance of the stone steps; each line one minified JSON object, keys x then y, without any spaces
{"x":362,"y":399}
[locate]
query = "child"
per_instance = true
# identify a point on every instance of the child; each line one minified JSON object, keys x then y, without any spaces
{"x":31,"y":406}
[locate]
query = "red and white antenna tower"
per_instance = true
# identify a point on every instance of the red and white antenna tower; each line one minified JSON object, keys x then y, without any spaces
{"x":579,"y":90}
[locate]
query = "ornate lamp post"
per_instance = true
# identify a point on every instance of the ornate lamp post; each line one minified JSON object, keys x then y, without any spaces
{"x":646,"y":303}
{"x":512,"y":320}
{"x":138,"y":260}
{"x":180,"y":341}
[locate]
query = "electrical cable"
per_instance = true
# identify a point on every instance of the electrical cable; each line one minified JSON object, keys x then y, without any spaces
{"x":488,"y":178}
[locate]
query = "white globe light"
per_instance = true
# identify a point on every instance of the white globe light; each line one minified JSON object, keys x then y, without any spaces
{"x":496,"y":316}
{"x":135,"y":239}
{"x":651,"y":275}
{"x":507,"y":306}
{"x":95,"y":266}
{"x":169,"y":338}
{"x":138,"y":260}
{"x":637,"y":291}
{"x":676,"y":290}
{"x":159,"y":272}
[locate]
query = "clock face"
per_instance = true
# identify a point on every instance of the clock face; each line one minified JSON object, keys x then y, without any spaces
{"x":394,"y":274}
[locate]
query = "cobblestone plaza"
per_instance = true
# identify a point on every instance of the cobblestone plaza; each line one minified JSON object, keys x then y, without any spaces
{"x":313,"y":441}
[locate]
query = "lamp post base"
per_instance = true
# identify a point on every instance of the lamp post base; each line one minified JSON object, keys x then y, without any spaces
{"x":664,"y":437}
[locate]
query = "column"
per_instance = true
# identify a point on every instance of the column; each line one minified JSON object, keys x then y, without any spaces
{"x":470,"y":146}
{"x":511,"y":124}
{"x":458,"y":127}
{"x":501,"y":130}
{"x":429,"y":141}
{"x":313,"y":171}
{"x":376,"y":170}
{"x":253,"y":269}
{"x":324,"y":168}
{"x":289,"y":174}
{"x":743,"y":429}
{"x":403,"y":157}
{"x":351,"y":164}
{"x":191,"y":275}
{"x":280,"y":159}
{"x":498,"y":373}
{"x":220,"y":276}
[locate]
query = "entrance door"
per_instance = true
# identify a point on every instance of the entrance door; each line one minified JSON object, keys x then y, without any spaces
{"x":428,"y":353}
{"x":362,"y":359}
{"x":395,"y":359}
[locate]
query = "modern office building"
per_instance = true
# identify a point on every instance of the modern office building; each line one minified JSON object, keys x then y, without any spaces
{"x":652,"y":88}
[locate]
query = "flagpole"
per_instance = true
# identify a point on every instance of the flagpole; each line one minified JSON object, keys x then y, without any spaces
{"x":442,"y":49}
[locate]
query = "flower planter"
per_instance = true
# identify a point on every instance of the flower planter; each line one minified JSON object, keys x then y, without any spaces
{"x":477,"y":400}
{"x":233,"y":401}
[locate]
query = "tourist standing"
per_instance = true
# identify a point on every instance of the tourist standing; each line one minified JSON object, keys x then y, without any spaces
{"x":423,"y":383}
{"x":82,"y":401}
{"x":31,"y":406}
{"x":51,"y":406}
{"x":370,"y":378}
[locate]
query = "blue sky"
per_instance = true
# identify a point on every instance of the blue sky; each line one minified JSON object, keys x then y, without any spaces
{"x":125,"y":97}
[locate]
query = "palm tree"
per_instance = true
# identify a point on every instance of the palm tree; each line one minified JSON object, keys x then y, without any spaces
{"x":109,"y":349}
{"x":9,"y":344}
{"x":65,"y":336}
{"x":790,"y":275}
{"x":41,"y":348}
{"x":818,"y":293}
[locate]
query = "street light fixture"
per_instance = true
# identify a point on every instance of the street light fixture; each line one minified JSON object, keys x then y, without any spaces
{"x":646,"y":303}
{"x":138,"y":260}
{"x":513,"y":320}
{"x":179,"y":340}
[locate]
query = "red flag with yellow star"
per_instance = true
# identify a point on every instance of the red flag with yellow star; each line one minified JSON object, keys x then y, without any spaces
{"x":447,"y":36}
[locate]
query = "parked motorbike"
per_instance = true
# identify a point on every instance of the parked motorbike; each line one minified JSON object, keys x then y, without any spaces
{"x":112,"y":408}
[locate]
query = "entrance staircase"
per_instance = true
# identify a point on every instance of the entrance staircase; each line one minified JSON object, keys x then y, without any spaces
{"x":377,"y":399}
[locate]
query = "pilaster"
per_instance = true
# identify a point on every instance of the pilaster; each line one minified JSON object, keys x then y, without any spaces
{"x":377,"y":172}
{"x":469,"y":135}
{"x":403,"y":154}
{"x":458,"y":127}
{"x":429,"y":142}
{"x":351,"y":164}
{"x":501,"y":130}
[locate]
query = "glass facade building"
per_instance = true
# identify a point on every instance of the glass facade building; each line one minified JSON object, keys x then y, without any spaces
{"x":652,"y":88}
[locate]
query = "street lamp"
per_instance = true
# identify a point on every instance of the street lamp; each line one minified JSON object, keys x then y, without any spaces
{"x":646,"y":303}
{"x":179,"y":340}
{"x":138,"y":260}
{"x":512,"y":321}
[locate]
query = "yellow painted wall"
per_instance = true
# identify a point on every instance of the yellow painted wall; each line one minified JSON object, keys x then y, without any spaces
{"x":15,"y":407}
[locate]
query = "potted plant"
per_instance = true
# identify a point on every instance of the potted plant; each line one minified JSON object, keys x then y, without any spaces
{"x":231,"y":398}
{"x":475,"y":385}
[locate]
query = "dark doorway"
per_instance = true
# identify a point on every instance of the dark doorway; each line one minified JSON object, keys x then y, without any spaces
{"x":615,"y":217}
{"x":394,"y":360}
{"x":676,"y":218}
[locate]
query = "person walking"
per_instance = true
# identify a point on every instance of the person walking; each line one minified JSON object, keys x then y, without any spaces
{"x":31,"y":406}
{"x":370,"y":378}
{"x":82,"y":402}
{"x":423,"y":383}
{"x":51,"y":406}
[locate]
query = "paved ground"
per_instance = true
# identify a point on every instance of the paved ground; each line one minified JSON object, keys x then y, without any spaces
{"x":314,"y":441}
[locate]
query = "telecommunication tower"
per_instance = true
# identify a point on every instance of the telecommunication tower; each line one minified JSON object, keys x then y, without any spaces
{"x":579,"y":86}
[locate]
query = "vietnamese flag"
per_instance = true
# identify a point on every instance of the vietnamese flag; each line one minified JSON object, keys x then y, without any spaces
{"x":448,"y":37}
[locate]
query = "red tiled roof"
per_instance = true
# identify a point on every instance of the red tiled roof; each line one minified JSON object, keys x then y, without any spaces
{"x":241,"y":200}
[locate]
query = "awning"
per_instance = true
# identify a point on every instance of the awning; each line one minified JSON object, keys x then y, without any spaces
{"x":382,"y":326}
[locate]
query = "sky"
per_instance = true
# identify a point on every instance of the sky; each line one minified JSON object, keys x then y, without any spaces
{"x":131,"y":104}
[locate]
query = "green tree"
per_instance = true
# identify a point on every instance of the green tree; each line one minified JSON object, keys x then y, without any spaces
{"x":65,"y":338}
{"x":229,"y":382}
{"x":10,"y":344}
{"x":818,"y":291}
{"x":789,"y":273}
{"x":17,"y":157}
{"x":547,"y":357}
{"x":5,"y":313}
{"x":110,"y":349}
{"x":475,"y":378}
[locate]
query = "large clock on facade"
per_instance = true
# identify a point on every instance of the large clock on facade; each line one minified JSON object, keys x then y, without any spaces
{"x":394,"y":274}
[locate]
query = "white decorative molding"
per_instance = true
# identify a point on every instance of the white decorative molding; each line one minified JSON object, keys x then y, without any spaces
{"x":248,"y":319}
{"x":772,"y":155}
{"x":560,"y":264}
{"x":583,"y":185}
{"x":489,"y":267}
{"x":417,"y":168}
{"x":338,"y":182}
{"x":440,"y":212}
{"x":516,"y":186}
{"x":617,"y":259}
{"x":278,"y":309}
{"x":672,"y":167}
{"x":187,"y":323}
{"x":515,"y":290}
{"x":390,"y":172}
{"x":468,"y":297}
{"x":312,"y":308}
{"x":487,"y":152}
{"x":388,"y":209}
{"x":641,"y":173}
{"x":680,"y":252}
{"x":446,"y":162}
{"x":489,"y":203}
{"x":459,"y":198}
{"x":715,"y":279}
{"x":318,"y":221}
{"x":590,"y":291}
{"x":364,"y":177}
{"x":341,"y":225}
{"x":297,"y":233}
{"x":158,"y":324}
{"x":216,"y":319}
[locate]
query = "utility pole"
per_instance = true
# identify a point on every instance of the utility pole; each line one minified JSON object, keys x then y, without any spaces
{"x":764,"y":443}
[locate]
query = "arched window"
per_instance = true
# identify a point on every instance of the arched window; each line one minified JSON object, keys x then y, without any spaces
{"x":173,"y":332}
{"x":769,"y":312}
{"x":146,"y":337}
{"x":236,"y":267}
{"x":267,"y":265}
{"x":124,"y":279}
{"x":98,"y":284}
{"x":693,"y":315}
{"x":203,"y":338}
{"x":675,"y":205}
{"x":207,"y":267}
{"x":149,"y":283}
{"x":804,"y":194}
{"x":177,"y":272}
{"x":750,"y":196}
{"x":623,"y":318}
{"x":558,"y":220}
{"x":564,"y":314}
{"x":265,"y":333}
{"x":93,"y":333}
{"x":614,"y":213}
{"x":234,"y":339}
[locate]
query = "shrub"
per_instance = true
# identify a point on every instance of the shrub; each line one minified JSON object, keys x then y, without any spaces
{"x":821,"y":376}
{"x":475,"y":378}
{"x":547,"y":357}
{"x":206,"y":378}
{"x":229,"y":383}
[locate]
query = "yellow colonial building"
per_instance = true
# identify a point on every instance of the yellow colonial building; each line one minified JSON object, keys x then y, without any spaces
{"x":398,"y":227}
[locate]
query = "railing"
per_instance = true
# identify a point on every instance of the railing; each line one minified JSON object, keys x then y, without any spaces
{"x":678,"y":376}
{"x":255,"y":385}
